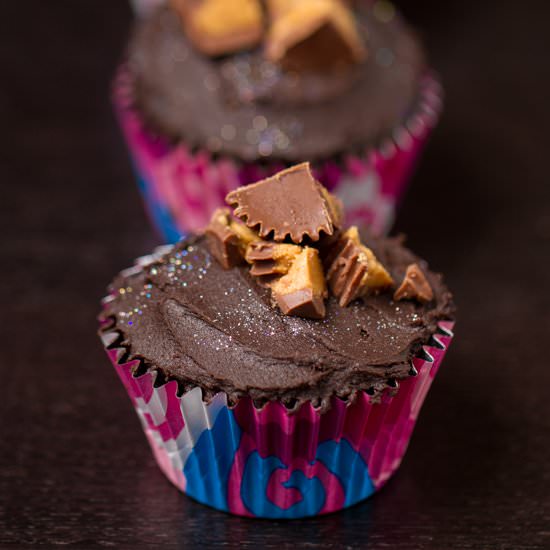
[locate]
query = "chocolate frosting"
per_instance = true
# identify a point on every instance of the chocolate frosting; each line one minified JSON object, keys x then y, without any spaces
{"x":193,"y":321}
{"x":245,"y":106}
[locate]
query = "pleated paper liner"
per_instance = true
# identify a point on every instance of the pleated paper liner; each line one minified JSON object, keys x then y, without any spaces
{"x":182,"y":186}
{"x":272,"y":462}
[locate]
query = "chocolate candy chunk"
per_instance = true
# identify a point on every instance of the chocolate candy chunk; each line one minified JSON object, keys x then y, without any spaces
{"x":302,"y":303}
{"x":268,"y":258}
{"x":347,"y":274}
{"x":218,"y":27}
{"x":354,"y":270}
{"x":335,"y":208}
{"x":290,"y":203}
{"x":378,"y":278}
{"x":414,"y":286}
{"x":313,"y":35}
{"x":227,"y":239}
{"x":302,"y":290}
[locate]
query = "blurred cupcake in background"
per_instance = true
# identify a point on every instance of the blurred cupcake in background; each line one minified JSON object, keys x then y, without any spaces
{"x":216,"y":94}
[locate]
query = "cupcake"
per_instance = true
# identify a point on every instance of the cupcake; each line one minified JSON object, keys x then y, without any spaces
{"x":215,"y":94}
{"x":278,"y":361}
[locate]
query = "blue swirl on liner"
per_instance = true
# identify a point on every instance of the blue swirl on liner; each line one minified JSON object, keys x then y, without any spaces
{"x":256,"y":477}
{"x":208,"y":468}
{"x":338,"y":457}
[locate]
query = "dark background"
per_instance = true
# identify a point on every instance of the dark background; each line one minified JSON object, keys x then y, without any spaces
{"x":74,"y":465}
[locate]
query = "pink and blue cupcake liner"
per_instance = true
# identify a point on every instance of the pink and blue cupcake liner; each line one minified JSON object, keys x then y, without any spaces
{"x":182,"y":186}
{"x":272,"y":462}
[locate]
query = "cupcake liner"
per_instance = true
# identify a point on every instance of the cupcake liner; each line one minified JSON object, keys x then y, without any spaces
{"x":273,"y":462}
{"x":182,"y":186}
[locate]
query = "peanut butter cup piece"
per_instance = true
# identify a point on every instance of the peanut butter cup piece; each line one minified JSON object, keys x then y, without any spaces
{"x":378,"y":278}
{"x":415,"y":286}
{"x":353,"y":270}
{"x":227,"y":239}
{"x":289,"y":204}
{"x":278,"y":8}
{"x":313,"y":35}
{"x":269,"y":258}
{"x":347,"y":274}
{"x":302,"y":291}
{"x":218,"y":27}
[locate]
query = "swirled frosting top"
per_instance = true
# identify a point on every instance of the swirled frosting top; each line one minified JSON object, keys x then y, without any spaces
{"x":200,"y":324}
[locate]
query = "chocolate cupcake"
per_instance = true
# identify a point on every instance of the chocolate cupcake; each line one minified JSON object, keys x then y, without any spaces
{"x":215,"y":95}
{"x":278,"y":361}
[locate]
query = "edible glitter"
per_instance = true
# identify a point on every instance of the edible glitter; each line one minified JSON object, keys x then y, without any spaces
{"x":259,"y":123}
{"x":265,"y":149}
{"x":211,"y":83}
{"x":384,"y":57}
{"x":269,"y":71}
{"x":228,"y":132}
{"x":282,"y":141}
{"x":180,"y":54}
{"x":383,"y":10}
{"x":252,"y":137}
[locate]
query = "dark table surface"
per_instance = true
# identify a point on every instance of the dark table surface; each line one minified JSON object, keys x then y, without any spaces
{"x":74,"y":466}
